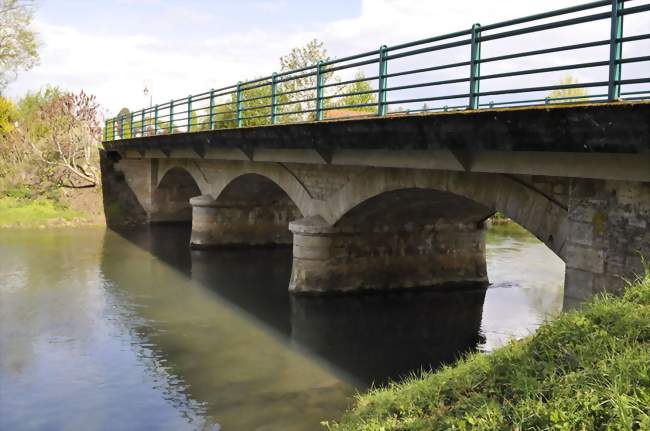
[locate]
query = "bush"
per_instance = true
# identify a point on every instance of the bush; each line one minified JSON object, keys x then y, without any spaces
{"x":587,"y":370}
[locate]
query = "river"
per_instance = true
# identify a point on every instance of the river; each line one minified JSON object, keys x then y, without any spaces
{"x":101,"y":330}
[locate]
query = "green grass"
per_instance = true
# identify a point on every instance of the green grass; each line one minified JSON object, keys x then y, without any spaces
{"x":17,"y":211}
{"x":586,"y":370}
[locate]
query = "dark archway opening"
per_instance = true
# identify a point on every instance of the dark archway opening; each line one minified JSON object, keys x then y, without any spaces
{"x":170,"y":202}
{"x":251,"y":211}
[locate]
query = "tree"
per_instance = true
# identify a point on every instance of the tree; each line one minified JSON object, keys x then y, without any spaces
{"x":353,"y":100}
{"x":8,"y":116}
{"x":67,"y":153}
{"x":575,"y":94}
{"x":18,"y":46}
{"x":306,"y":56}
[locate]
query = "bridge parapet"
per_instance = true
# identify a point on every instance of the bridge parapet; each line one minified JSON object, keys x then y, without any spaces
{"x":394,"y":80}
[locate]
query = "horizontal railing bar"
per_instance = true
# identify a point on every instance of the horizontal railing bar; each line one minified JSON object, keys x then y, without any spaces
{"x":544,"y":15}
{"x":354,"y":93}
{"x":357,"y":64}
{"x":548,"y":26}
{"x":546,"y":51}
{"x":427,"y":84}
{"x":429,"y":49}
{"x":635,"y":9}
{"x":428,"y":69}
{"x":426,"y":99}
{"x":546,"y":69}
{"x":541,"y":100}
{"x":351,"y":81}
{"x":544,"y":88}
{"x":429,"y":40}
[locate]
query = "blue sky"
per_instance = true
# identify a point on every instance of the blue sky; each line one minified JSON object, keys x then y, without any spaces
{"x":112,"y":48}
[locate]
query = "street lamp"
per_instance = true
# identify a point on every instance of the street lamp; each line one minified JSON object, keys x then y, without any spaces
{"x":147,"y":93}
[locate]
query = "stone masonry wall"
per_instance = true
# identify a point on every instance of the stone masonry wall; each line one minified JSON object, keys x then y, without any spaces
{"x":609,"y":232}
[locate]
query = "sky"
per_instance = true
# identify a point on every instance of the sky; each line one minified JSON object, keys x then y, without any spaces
{"x":113,"y":48}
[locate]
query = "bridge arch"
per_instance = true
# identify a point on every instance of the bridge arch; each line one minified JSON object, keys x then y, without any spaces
{"x":190,"y":167}
{"x":170,"y":200}
{"x":475,"y":196}
{"x":276,"y":173}
{"x":249,"y":210}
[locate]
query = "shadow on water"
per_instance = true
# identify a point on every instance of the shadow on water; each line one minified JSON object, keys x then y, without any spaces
{"x":370,"y":338}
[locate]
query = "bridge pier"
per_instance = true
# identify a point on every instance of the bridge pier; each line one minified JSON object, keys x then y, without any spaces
{"x":218,"y":223}
{"x":609,"y":232}
{"x":330,"y":259}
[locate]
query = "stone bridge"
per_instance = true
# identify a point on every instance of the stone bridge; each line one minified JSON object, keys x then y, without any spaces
{"x":402,"y":201}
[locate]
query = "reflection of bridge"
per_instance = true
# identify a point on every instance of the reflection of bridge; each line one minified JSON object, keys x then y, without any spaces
{"x":394,"y":201}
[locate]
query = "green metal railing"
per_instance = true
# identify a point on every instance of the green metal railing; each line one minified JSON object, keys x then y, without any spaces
{"x":314,"y":94}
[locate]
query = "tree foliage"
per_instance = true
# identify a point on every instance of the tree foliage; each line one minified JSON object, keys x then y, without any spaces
{"x":18,"y":46}
{"x":301,"y":88}
{"x":55,"y":142}
{"x":8,"y":116}
{"x":358,"y":93}
{"x":576,"y":94}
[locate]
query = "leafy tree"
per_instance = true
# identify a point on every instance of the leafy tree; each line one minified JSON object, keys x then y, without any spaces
{"x":350,"y":99}
{"x":8,"y":116}
{"x":576,"y":94}
{"x":301,"y":57}
{"x":123,"y":124}
{"x":18,"y":46}
{"x":28,"y":111}
{"x":67,"y":153}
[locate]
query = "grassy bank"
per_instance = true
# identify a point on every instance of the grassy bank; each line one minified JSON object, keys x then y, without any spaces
{"x":20,"y":209}
{"x":587,"y":370}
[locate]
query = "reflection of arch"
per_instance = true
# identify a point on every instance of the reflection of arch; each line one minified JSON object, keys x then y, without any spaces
{"x":170,"y":201}
{"x":488,"y":193}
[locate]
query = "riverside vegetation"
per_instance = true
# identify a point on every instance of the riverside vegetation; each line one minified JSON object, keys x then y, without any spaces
{"x":586,"y":370}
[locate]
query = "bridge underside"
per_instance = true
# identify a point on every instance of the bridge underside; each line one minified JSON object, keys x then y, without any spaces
{"x":365,"y":213}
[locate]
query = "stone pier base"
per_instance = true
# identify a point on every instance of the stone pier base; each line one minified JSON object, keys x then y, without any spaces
{"x":608,"y":237}
{"x":329,"y":259}
{"x":219,"y":224}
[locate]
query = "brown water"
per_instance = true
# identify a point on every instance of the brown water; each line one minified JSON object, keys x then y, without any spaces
{"x":131,"y":331}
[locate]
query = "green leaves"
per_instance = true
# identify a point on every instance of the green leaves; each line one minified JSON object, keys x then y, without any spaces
{"x":18,"y":46}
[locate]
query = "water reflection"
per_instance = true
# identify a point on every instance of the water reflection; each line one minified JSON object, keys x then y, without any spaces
{"x":366,"y":339}
{"x":116,"y":331}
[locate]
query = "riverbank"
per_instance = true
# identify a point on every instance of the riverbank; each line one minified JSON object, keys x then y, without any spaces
{"x":82,"y":208}
{"x":585,"y":370}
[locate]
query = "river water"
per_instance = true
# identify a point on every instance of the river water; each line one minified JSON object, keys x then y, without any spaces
{"x":102,"y":330}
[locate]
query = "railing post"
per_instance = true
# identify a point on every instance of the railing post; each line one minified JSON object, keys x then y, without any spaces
{"x":239,"y":105}
{"x":475,"y":67}
{"x":155,"y":120}
{"x":105,"y":130}
{"x":274,"y":98}
{"x":170,"y":127}
{"x":383,"y":80}
{"x":320,"y":80}
{"x":615,"y":51}
{"x":211,"y":111}
{"x":142,"y":124}
{"x":114,"y":127}
{"x":189,"y":113}
{"x":132,"y":126}
{"x":122,"y":127}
